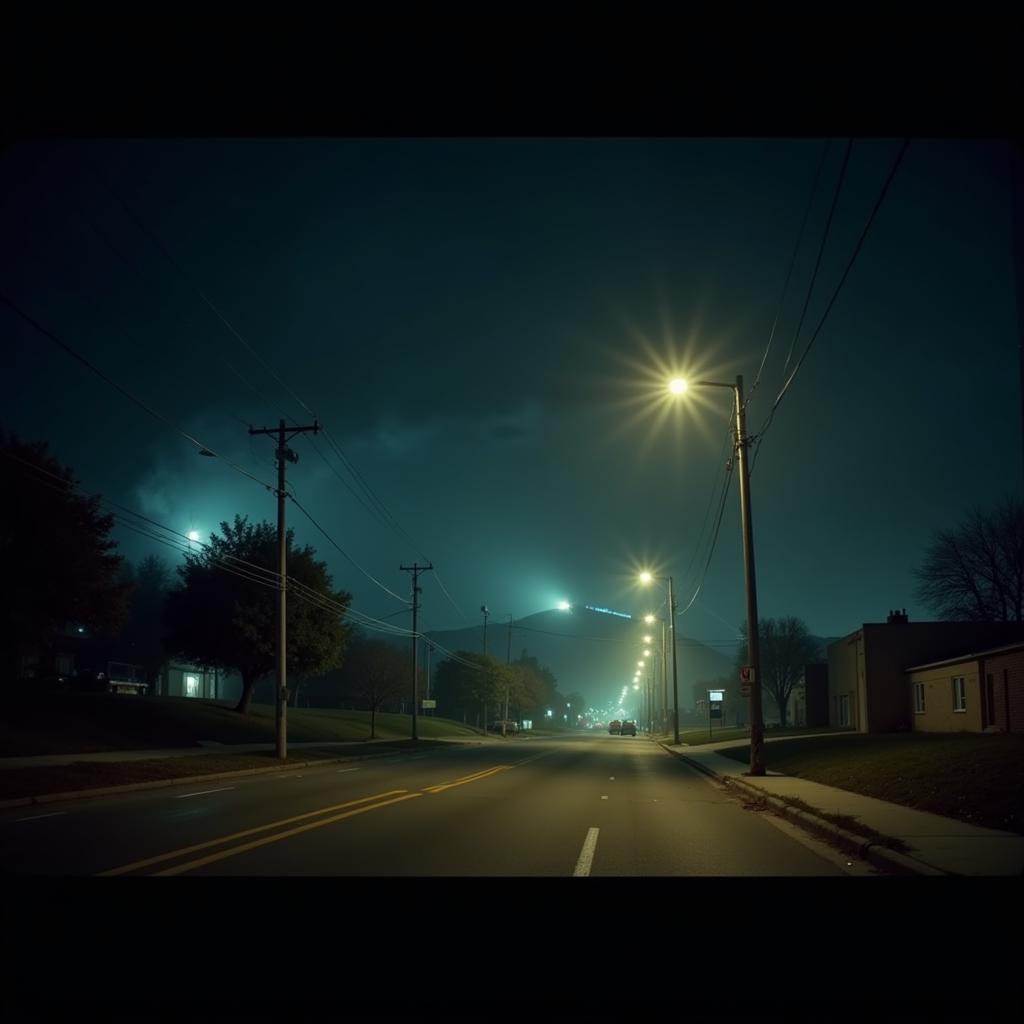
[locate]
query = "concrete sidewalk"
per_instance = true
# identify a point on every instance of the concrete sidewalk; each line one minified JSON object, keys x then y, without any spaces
{"x":934,"y":845}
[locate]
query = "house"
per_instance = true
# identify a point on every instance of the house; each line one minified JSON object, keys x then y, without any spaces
{"x":979,"y":692}
{"x":867,"y":685}
{"x":178,"y":679}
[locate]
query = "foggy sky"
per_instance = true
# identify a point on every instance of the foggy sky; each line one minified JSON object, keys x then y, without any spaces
{"x":485,"y":327}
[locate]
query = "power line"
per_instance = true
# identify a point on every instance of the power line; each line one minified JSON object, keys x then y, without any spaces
{"x":203,"y":449}
{"x":821,"y":251}
{"x":714,"y":542}
{"x":789,"y":272}
{"x":835,"y":294}
{"x":373,"y":579}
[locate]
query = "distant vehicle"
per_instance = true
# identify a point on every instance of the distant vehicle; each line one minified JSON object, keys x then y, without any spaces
{"x":614,"y":728}
{"x":511,"y":728}
{"x":628,"y":729}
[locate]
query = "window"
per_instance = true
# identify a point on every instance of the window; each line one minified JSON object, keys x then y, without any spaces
{"x":959,"y":694}
{"x":919,"y":698}
{"x":191,"y":686}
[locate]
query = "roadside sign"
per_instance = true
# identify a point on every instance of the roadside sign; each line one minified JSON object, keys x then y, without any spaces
{"x":716,"y":695}
{"x":747,"y":674}
{"x":744,"y":689}
{"x":429,"y":704}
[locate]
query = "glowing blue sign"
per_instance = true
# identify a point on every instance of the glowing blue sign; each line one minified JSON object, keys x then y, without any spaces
{"x":607,"y":611}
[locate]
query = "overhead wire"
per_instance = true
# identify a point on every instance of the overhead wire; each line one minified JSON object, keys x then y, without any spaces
{"x":200,"y":446}
{"x":789,"y":272}
{"x":377,"y":507}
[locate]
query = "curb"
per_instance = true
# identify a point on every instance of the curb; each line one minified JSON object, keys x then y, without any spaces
{"x":860,"y":846}
{"x":47,"y":798}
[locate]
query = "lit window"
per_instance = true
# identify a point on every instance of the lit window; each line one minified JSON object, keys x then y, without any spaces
{"x":191,"y":686}
{"x":919,"y":698}
{"x":959,"y":694}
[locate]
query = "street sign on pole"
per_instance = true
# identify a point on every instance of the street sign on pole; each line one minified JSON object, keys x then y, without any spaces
{"x":428,"y":704}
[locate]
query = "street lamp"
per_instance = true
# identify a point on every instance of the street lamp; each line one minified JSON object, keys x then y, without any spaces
{"x":741,"y":442}
{"x":647,"y":578}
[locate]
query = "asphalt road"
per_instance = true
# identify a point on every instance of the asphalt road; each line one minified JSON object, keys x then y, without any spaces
{"x":584,"y":805}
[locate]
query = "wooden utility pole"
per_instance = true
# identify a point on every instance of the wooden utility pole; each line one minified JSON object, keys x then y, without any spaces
{"x":284,"y":454}
{"x":415,"y":569}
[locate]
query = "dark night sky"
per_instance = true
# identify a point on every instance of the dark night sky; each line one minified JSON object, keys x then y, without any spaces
{"x":485,"y":327}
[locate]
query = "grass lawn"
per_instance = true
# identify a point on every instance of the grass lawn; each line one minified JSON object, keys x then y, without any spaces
{"x":974,"y":778}
{"x":696,"y":737}
{"x":90,"y":723}
{"x":20,"y":782}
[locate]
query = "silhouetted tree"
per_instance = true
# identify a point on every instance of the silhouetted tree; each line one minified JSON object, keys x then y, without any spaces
{"x":786,"y":647}
{"x":376,"y":673}
{"x":224,"y":612}
{"x":975,"y":571}
{"x":57,"y":554}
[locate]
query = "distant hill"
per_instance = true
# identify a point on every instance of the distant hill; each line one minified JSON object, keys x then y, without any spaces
{"x":589,"y":652}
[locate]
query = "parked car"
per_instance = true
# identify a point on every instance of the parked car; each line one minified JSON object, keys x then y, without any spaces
{"x":614,"y":728}
{"x":628,"y":729}
{"x":511,"y":728}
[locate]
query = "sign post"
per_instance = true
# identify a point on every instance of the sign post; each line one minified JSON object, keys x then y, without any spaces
{"x":715,"y":701}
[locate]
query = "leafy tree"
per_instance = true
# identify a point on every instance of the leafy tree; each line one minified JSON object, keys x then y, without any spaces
{"x":377,"y":673}
{"x":142,"y":635}
{"x":786,"y":647}
{"x":462,"y":687}
{"x":975,"y":571}
{"x":224,"y":612}
{"x":58,"y":555}
{"x":537,"y":687}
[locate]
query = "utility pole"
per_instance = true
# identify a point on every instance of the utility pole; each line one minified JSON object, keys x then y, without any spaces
{"x":753,"y":634}
{"x":672,"y":634}
{"x":508,"y":661}
{"x":284,"y":454}
{"x":415,"y":569}
{"x":664,"y":673}
{"x":483,"y":608}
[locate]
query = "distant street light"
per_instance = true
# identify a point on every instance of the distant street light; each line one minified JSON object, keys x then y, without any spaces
{"x":740,"y":444}
{"x":193,"y":535}
{"x":646,"y":578}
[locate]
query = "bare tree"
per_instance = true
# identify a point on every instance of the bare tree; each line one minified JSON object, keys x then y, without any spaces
{"x":975,"y":571}
{"x":786,"y":647}
{"x":379,"y":674}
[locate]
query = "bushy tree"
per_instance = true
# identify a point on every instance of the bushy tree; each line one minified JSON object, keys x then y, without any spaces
{"x":56,"y":549}
{"x":975,"y":571}
{"x":223,"y":613}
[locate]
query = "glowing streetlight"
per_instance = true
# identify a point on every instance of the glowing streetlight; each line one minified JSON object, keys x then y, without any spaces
{"x":645,"y":578}
{"x":564,"y":606}
{"x":648,"y":619}
{"x":741,"y":443}
{"x":677,"y":385}
{"x":647,"y":639}
{"x":647,"y":654}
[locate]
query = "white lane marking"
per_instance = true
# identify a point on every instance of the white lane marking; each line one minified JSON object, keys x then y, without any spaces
{"x":341,"y":770}
{"x":604,"y":798}
{"x":586,"y":854}
{"x":203,"y":792}
{"x":279,"y":777}
{"x":611,"y":778}
{"x":36,"y":817}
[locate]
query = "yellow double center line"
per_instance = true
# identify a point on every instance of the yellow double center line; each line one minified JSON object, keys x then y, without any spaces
{"x":347,"y":809}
